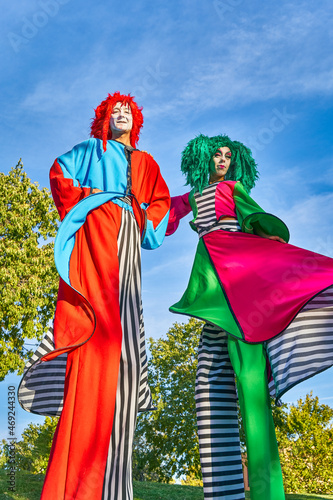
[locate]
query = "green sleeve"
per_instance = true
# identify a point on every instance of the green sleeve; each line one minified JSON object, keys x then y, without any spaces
{"x":253,"y":219}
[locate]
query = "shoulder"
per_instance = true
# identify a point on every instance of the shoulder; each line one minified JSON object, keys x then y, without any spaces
{"x":228,"y":185}
{"x":226,"y":188}
{"x":144,"y":158}
{"x":144,"y":154}
{"x":83,"y":146}
{"x":92,"y":142}
{"x":240,"y":189}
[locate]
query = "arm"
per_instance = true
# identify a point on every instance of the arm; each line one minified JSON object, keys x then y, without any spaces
{"x":254,"y":220}
{"x":153,"y":196}
{"x":66,"y":190}
{"x":180,"y":207}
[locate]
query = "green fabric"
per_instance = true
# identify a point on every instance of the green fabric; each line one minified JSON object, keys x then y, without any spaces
{"x":194,"y":207}
{"x":249,"y":364}
{"x":253,"y":219}
{"x":204,"y":297}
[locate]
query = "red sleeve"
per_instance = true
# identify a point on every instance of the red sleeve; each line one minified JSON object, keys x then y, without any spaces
{"x":151,"y":191}
{"x":149,"y":187}
{"x":180,"y":207}
{"x":64,"y":193}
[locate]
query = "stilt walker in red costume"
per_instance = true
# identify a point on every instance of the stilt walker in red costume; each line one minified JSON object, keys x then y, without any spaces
{"x":92,"y":368}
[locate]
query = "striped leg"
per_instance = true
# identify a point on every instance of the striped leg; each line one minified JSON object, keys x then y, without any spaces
{"x":145,"y":401}
{"x":216,"y":407}
{"x":132,"y":380}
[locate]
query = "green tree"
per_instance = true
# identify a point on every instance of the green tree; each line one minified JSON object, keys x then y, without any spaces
{"x":28,"y":278}
{"x":166,"y":439}
{"x":305,"y":437}
{"x":33,"y":450}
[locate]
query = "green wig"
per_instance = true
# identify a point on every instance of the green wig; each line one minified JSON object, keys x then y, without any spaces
{"x":198,"y":153}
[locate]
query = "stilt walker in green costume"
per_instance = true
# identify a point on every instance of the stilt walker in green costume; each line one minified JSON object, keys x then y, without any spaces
{"x":257,"y":320}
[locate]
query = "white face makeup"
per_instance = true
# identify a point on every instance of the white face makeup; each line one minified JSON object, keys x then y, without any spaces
{"x":121,"y":118}
{"x":219,"y":164}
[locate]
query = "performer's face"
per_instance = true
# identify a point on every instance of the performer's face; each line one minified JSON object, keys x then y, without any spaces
{"x":219,"y":164}
{"x":121,"y":118}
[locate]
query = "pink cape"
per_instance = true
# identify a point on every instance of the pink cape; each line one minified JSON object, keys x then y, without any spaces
{"x":266,"y":282}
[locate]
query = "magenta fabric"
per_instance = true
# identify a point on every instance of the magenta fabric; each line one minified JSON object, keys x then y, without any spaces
{"x":266,"y":282}
{"x":180,"y":207}
{"x":224,"y":201}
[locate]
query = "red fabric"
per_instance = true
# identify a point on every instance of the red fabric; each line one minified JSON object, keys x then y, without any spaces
{"x":87,"y":325}
{"x":149,"y":187}
{"x":180,"y":206}
{"x":65,"y":195}
{"x":224,"y":200}
{"x":266,"y":282}
{"x":79,"y":451}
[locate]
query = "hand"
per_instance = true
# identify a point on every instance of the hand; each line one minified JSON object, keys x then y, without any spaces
{"x":95,"y":190}
{"x":259,"y":232}
{"x":275,"y":238}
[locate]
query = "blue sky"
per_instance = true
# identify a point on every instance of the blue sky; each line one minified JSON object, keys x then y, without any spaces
{"x":262,"y":72}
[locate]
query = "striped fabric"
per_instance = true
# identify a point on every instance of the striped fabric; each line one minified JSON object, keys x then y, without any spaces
{"x":302,"y":350}
{"x":305,"y":347}
{"x":42,"y":387}
{"x":133,"y":393}
{"x":206,"y":209}
{"x":216,"y":394}
{"x":216,"y":397}
{"x":205,"y":221}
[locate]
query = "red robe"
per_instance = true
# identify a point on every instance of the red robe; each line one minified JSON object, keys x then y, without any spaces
{"x":87,"y":322}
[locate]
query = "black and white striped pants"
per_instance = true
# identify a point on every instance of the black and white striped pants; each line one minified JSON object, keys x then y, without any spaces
{"x":132,"y":389}
{"x":219,"y":444}
{"x":133,"y":393}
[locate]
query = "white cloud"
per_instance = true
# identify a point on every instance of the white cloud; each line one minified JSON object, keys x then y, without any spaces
{"x":311,"y":225}
{"x":302,"y":200}
{"x":247,"y":62}
{"x":182,"y":262}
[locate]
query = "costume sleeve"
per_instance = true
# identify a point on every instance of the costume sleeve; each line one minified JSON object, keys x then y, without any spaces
{"x":154,"y":199}
{"x":66,"y":190}
{"x":253,"y":219}
{"x":180,"y":206}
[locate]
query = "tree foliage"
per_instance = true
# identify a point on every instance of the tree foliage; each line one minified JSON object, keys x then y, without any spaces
{"x":28,"y":278}
{"x":166,"y":439}
{"x":33,"y":450}
{"x":305,"y":437}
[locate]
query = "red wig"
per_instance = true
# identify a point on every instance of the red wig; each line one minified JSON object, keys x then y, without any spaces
{"x":100,"y":126}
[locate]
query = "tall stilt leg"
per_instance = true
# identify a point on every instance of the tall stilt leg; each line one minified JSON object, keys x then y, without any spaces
{"x":219,"y":443}
{"x":265,"y":476}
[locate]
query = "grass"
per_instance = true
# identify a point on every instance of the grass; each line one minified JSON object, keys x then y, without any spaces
{"x":29,"y":486}
{"x":157,"y":491}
